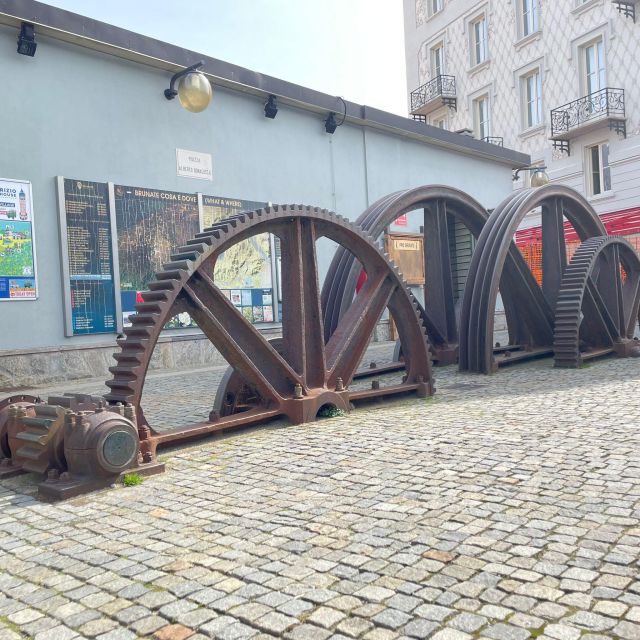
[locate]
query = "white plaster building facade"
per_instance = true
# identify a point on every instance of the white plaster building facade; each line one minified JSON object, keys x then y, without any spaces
{"x":521,"y":72}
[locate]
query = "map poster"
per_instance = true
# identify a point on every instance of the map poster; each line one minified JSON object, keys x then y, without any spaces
{"x":17,"y":249}
{"x":87,"y":246}
{"x":151,"y":224}
{"x":245,"y":266}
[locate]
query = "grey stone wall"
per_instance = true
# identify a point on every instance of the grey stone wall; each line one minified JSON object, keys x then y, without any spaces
{"x":36,"y":367}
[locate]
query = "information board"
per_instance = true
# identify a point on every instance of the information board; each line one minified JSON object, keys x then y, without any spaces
{"x":243,"y":272}
{"x":151,"y":224}
{"x":17,"y":248}
{"x":406,"y":250}
{"x":87,"y":238}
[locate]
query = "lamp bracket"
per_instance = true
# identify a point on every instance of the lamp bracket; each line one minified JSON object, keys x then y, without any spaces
{"x":516,"y":173}
{"x":171,"y":92}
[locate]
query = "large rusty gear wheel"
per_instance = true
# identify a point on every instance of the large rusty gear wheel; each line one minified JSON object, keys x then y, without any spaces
{"x":597,"y":308}
{"x":442,"y":207}
{"x":309,"y":374}
{"x":496,"y":261}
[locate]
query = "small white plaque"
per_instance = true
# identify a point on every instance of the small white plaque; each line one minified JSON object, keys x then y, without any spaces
{"x":193,"y":164}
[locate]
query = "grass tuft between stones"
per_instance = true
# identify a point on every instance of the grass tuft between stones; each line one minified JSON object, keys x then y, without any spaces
{"x":4,"y":621}
{"x":329,"y":411}
{"x":132,"y":479}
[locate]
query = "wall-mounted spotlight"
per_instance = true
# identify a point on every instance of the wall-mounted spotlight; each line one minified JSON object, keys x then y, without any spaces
{"x":539,"y":177}
{"x":27,"y":40}
{"x":271,"y":107}
{"x":194,"y":90}
{"x":331,"y":124}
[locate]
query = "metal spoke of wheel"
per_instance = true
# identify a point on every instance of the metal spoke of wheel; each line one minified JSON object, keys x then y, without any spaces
{"x":554,"y":249}
{"x":237,"y":340}
{"x":344,"y":349}
{"x":302,"y":328}
{"x":439,"y":300}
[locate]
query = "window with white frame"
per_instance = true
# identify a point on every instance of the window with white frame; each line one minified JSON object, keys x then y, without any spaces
{"x":531,"y":92}
{"x":594,"y":73}
{"x":481,"y":117}
{"x":434,"y":6}
{"x":437,"y":60}
{"x":479,"y":45}
{"x":598,"y":172}
{"x":529,"y":17}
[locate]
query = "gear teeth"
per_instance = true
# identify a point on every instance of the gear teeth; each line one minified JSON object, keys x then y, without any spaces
{"x":152,"y":306}
{"x":123,"y":372}
{"x":127,"y":356}
{"x":132,"y":343}
{"x":159,"y":295}
{"x":163,"y":285}
{"x":174,"y":274}
{"x":566,"y":339}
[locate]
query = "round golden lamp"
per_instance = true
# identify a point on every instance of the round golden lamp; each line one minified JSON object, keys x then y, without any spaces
{"x":194,"y":92}
{"x":194,"y":89}
{"x":539,"y":178}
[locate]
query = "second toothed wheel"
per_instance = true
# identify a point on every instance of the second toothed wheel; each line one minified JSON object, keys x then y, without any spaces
{"x":306,"y":373}
{"x":598,"y":302}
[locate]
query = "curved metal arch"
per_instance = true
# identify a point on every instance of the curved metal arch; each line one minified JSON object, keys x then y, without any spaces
{"x":495,"y":249}
{"x":438,"y":201}
{"x":597,"y":310}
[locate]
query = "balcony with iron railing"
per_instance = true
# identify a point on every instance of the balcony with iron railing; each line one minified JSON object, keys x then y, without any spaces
{"x":438,"y":92}
{"x":604,"y":107}
{"x":494,"y":140}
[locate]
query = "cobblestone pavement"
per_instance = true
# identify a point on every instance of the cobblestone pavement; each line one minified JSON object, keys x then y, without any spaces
{"x":506,"y":507}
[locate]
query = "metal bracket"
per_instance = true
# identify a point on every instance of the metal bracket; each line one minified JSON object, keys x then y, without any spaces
{"x":452,"y":103}
{"x":562,"y":145}
{"x":619,"y":126}
{"x":627,"y":8}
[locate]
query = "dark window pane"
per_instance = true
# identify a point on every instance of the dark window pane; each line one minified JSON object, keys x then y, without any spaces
{"x":595,"y":170}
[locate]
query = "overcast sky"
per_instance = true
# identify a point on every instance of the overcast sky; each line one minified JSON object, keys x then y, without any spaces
{"x":352,"y":48}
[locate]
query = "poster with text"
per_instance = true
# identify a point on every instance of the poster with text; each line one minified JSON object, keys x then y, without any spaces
{"x":89,"y":268}
{"x":17,"y":249}
{"x":246,"y":265}
{"x":151,"y":225}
